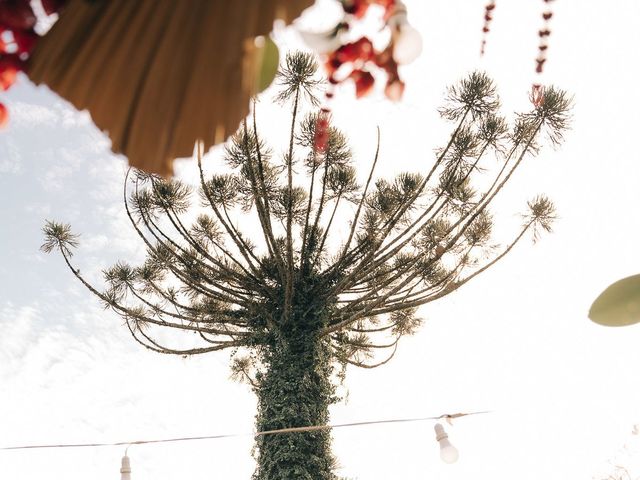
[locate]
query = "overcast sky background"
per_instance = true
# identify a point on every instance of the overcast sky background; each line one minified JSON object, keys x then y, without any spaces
{"x":564,"y":393}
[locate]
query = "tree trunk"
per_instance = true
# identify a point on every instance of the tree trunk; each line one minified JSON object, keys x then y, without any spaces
{"x":295,"y":391}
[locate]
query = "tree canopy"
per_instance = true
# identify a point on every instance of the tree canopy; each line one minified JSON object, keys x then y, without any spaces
{"x":338,"y":259}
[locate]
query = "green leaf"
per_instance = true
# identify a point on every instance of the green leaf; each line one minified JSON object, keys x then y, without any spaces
{"x":619,"y":304}
{"x":269,"y":59}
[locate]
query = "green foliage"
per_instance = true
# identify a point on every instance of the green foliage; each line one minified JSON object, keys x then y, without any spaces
{"x":295,"y":390}
{"x":553,"y":113}
{"x":542,"y":214}
{"x":340,"y":262}
{"x":474,"y":95}
{"x":58,"y":235}
{"x":298,"y":75}
{"x":619,"y":304}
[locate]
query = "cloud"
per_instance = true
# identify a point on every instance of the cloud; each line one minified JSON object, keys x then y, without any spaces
{"x":55,"y":178}
{"x":10,"y":158}
{"x":30,"y":115}
{"x":16,"y":323}
{"x":93,"y":243}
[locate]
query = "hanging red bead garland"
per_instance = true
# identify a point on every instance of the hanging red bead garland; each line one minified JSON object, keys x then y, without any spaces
{"x":543,"y":35}
{"x":357,"y":60}
{"x":17,"y":40}
{"x":488,"y":16}
{"x":537,"y":91}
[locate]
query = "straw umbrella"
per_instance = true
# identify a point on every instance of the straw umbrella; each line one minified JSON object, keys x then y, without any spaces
{"x":159,"y":75}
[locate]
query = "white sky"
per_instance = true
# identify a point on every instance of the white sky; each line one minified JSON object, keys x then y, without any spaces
{"x":564,"y":392}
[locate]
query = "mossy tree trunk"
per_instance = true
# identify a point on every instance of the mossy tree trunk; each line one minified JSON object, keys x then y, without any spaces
{"x":295,"y":390}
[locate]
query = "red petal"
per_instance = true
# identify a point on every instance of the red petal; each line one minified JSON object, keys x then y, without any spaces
{"x":361,"y":49}
{"x":332,"y":65}
{"x":394,"y":90}
{"x":4,"y":116}
{"x":17,"y":15}
{"x":322,"y":131}
{"x":26,"y":40}
{"x":364,"y":82}
{"x":52,"y":6}
{"x":10,"y":65}
{"x":7,"y":78}
{"x":356,"y":7}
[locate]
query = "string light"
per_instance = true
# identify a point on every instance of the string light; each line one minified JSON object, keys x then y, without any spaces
{"x":310,"y":428}
{"x":448,"y":453}
{"x":407,"y":41}
{"x":125,"y":468}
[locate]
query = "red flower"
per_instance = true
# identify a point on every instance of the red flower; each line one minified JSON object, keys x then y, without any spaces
{"x":357,"y":8}
{"x":17,"y":14}
{"x":322,"y":131}
{"x":25,"y":40}
{"x":3,"y":45}
{"x":361,"y":49}
{"x":394,"y":90}
{"x":537,"y":95}
{"x":332,"y":65}
{"x":52,"y":6}
{"x":4,"y":116}
{"x":364,"y":82}
{"x":10,"y":65}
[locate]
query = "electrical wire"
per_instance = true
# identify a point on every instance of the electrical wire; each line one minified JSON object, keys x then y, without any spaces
{"x":311,"y":428}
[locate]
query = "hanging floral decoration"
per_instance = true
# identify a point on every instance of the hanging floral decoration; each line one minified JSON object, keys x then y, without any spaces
{"x":536,"y":95}
{"x":537,"y":92}
{"x":543,"y":35}
{"x":357,"y":61}
{"x":488,"y":17}
{"x":17,"y":40}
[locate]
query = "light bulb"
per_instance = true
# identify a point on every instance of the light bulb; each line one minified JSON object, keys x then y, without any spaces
{"x":125,"y":469}
{"x":448,"y":453}
{"x":407,"y":44}
{"x":321,"y":42}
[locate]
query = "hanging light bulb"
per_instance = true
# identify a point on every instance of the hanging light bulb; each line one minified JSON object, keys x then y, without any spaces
{"x":322,"y":42}
{"x":407,"y":41}
{"x":125,"y":468}
{"x":407,"y":45}
{"x":448,"y":453}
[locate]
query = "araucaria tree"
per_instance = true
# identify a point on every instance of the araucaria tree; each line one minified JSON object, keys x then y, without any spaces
{"x":337,"y":262}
